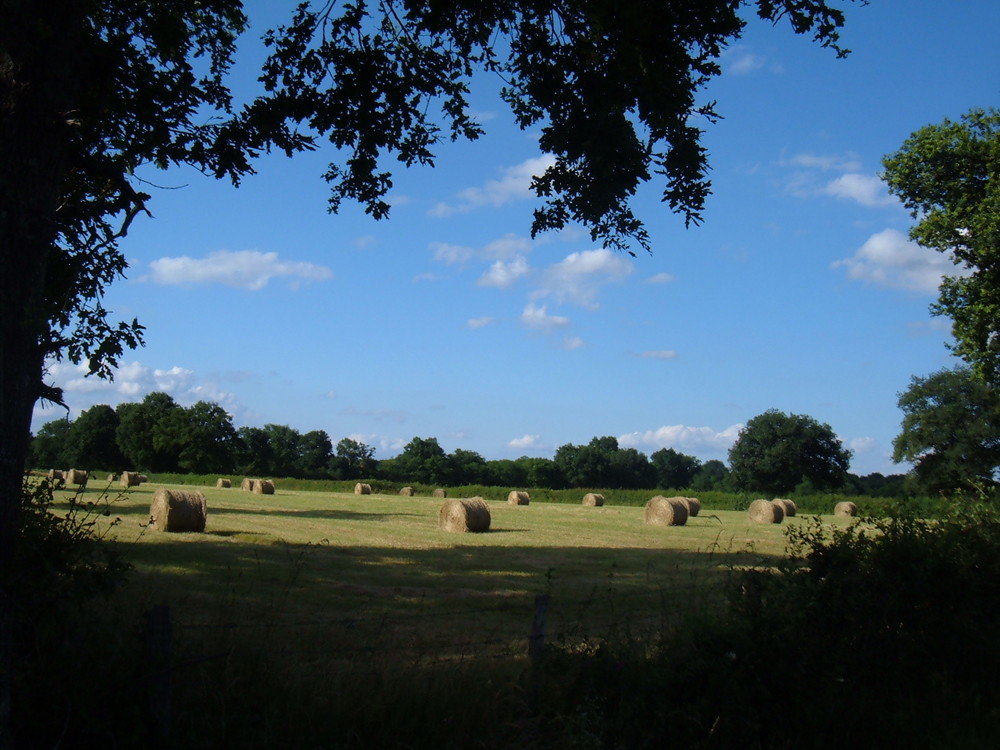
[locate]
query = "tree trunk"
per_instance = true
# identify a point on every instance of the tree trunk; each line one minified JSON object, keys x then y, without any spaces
{"x":39,"y":87}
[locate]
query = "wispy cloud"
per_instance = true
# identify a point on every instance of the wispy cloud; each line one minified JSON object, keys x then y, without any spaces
{"x":527,"y":442}
{"x":536,"y":316}
{"x":503,"y":274}
{"x":243,"y":269}
{"x":660,"y":278}
{"x":888,"y":258}
{"x":866,"y":189}
{"x":697,"y":441}
{"x":514,"y":183}
{"x":479,"y":322}
{"x":659,"y":354}
{"x":579,"y":276}
{"x":572,"y":342}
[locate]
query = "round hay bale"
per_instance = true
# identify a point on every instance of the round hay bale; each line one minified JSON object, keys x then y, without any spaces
{"x":362,"y":489}
{"x":247,"y":484}
{"x":845,"y":509}
{"x":439,"y":493}
{"x":223,"y":484}
{"x":593,"y":500}
{"x":406,"y":492}
{"x":465,"y":514}
{"x":77,"y":477}
{"x":693,"y":505}
{"x":177,"y":510}
{"x":517,"y":497}
{"x":788,"y":506}
{"x":129,"y":479}
{"x":263,"y":487}
{"x":112,"y":477}
{"x":764,"y":511}
{"x":666,"y":511}
{"x":143,"y":478}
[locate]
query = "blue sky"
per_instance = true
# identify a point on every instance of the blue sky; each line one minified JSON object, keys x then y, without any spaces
{"x":800,"y":291}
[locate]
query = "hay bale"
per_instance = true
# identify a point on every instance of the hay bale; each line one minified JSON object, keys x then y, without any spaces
{"x":845,"y":509}
{"x":77,"y":477}
{"x":666,"y":511}
{"x":362,"y":489}
{"x":112,"y":477}
{"x":764,"y":511}
{"x":439,"y":493}
{"x":247,"y":484}
{"x":263,"y":487}
{"x":517,"y":497}
{"x":223,"y":484}
{"x":406,"y":492}
{"x":593,"y":500}
{"x":465,"y":514}
{"x":129,"y":479}
{"x":787,"y":506}
{"x":143,"y":478}
{"x":693,"y":505}
{"x":177,"y":510}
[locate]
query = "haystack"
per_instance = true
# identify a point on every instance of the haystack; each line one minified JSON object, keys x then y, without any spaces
{"x":764,"y":511}
{"x":406,"y":492}
{"x":143,"y":478}
{"x":465,"y":514}
{"x":362,"y":489}
{"x":247,"y":484}
{"x":845,"y":508}
{"x":517,"y":497}
{"x":263,"y":487}
{"x":693,"y":505}
{"x":439,"y":493}
{"x":77,"y":477}
{"x":666,"y":511}
{"x":788,"y":506}
{"x":593,"y":500}
{"x":129,"y":479}
{"x":177,"y":510}
{"x":223,"y":484}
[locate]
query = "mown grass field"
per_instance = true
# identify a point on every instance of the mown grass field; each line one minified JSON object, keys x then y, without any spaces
{"x":375,"y":572}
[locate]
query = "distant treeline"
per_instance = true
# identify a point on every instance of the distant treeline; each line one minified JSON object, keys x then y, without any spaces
{"x":158,"y":436}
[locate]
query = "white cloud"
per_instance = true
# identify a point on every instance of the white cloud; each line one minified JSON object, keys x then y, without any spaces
{"x":451,"y":254}
{"x":660,"y":278}
{"x":868,"y":190}
{"x":579,"y":276}
{"x":243,"y":269}
{"x":507,"y":247}
{"x":572,"y":342}
{"x":745,"y":62}
{"x":513,"y":184}
{"x":535,"y":316}
{"x":697,"y":441}
{"x":826,"y":162}
{"x":527,"y":442}
{"x":502,"y":274}
{"x":659,"y":354}
{"x":479,"y":322}
{"x":888,"y":258}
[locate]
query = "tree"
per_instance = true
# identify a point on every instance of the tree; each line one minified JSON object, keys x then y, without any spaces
{"x":136,"y":426}
{"x":355,"y":459}
{"x":950,"y":431}
{"x":674,"y":470}
{"x":203,"y":437}
{"x":602,"y":463}
{"x":422,"y":460}
{"x":315,"y":452}
{"x":776,"y":451}
{"x":253,"y":451}
{"x":948,"y":176}
{"x":285,"y":449}
{"x":712,"y":475}
{"x":92,"y":91}
{"x":49,"y":446}
{"x":91,"y":441}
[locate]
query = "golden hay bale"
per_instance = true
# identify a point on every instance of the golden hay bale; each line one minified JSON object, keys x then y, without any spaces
{"x":788,"y":506}
{"x":362,"y":489}
{"x":406,"y":492}
{"x":177,"y":510}
{"x":223,"y":484}
{"x":764,"y":511}
{"x":693,"y":505}
{"x":846,"y":509}
{"x":465,"y":514}
{"x":439,"y":493}
{"x":56,"y":474}
{"x":247,"y":484}
{"x":77,"y":477}
{"x":263,"y":487}
{"x":143,"y":478}
{"x":517,"y":497}
{"x":129,"y":479}
{"x":666,"y":511}
{"x":593,"y":500}
{"x":112,"y":477}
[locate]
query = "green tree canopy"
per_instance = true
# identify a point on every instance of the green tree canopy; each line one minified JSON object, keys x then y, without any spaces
{"x":355,"y":460}
{"x":203,"y":437}
{"x":674,"y":470}
{"x":49,"y":448}
{"x":948,"y":175}
{"x":91,"y":441}
{"x":136,"y":426}
{"x":950,"y":431}
{"x":777,"y":451}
